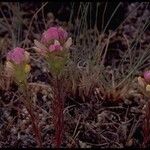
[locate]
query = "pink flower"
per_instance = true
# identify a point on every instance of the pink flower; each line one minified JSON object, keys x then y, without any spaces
{"x":55,"y":47}
{"x":17,"y":55}
{"x":62,"y":34}
{"x":147,"y":76}
{"x":54,"y":33}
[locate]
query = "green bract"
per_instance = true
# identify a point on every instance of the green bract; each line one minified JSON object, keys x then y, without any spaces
{"x":20,"y":74}
{"x":57,"y":61}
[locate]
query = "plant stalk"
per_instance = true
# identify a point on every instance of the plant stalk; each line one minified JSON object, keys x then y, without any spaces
{"x":28,"y":105}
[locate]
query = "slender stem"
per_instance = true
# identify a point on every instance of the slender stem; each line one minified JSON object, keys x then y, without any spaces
{"x":28,"y":105}
{"x":35,"y":128}
{"x":58,"y":107}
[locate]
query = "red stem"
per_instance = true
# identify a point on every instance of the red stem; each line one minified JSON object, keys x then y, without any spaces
{"x":35,"y":128}
{"x":29,"y":108}
{"x":146,"y":125}
{"x":58,"y":117}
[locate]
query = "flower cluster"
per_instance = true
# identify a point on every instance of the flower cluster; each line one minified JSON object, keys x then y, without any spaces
{"x":17,"y":63}
{"x":54,"y":45}
{"x":54,"y":39}
{"x":145,"y":81}
{"x":18,"y":56}
{"x":54,"y":33}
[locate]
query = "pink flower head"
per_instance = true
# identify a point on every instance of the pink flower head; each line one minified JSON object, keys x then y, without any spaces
{"x":62,"y":34}
{"x":16,"y":55}
{"x":55,"y":47}
{"x":54,"y":33}
{"x":147,"y":76}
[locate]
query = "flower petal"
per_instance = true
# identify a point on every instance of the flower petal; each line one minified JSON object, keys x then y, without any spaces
{"x":40,"y":45}
{"x":9,"y":69}
{"x":68,"y":43}
{"x":141,"y":82}
{"x":56,"y":42}
{"x":148,"y":88}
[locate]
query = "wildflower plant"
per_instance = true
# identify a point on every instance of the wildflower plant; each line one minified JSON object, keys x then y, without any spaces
{"x":144,"y":83}
{"x":54,"y":47}
{"x":17,"y":66}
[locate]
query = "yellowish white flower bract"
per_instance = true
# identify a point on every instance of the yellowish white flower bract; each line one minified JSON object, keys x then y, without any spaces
{"x":9,"y":69}
{"x":141,"y":82}
{"x":27,"y":57}
{"x":148,"y":88}
{"x":27,"y":68}
{"x":68,"y":43}
{"x":40,"y":48}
